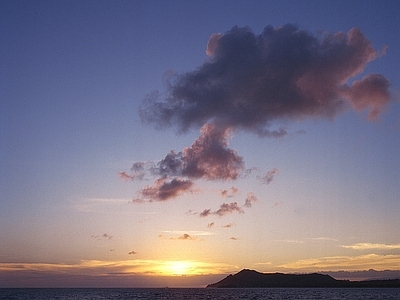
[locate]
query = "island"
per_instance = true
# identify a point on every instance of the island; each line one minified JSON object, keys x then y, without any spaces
{"x":253,"y":279}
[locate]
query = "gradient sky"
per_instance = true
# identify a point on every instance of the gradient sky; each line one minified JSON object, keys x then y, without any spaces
{"x":283,"y":157}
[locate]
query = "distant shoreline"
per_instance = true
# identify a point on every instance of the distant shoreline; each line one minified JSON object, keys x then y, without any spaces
{"x":253,"y":279}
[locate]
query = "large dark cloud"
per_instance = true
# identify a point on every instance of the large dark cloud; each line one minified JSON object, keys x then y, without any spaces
{"x":251,"y":80}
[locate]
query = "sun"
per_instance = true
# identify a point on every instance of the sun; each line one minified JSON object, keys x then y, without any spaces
{"x":179,"y":268}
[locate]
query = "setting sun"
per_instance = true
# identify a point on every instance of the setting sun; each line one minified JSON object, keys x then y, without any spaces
{"x":179,"y":268}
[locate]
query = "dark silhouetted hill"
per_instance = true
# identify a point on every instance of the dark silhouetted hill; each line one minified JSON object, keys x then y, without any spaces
{"x":253,"y":279}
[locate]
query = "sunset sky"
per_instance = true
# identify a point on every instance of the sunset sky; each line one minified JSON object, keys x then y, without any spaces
{"x":170,"y":143}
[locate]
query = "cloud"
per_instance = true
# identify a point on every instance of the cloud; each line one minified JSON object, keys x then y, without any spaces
{"x":251,"y":81}
{"x":254,"y":83}
{"x":186,"y":237}
{"x":213,"y":43}
{"x":370,"y":246}
{"x":208,"y":157}
{"x":269,"y":176}
{"x":229,"y":193}
{"x":138,"y":172}
{"x":224,"y":209}
{"x":277,"y":204}
{"x":250,"y":199}
{"x":191,"y":232}
{"x":124,"y":273}
{"x":210,"y":225}
{"x":233,"y":238}
{"x":103,"y":236}
{"x":163,"y":190}
{"x":227,"y":225}
{"x":228,"y":208}
{"x":132,"y":252}
{"x":183,"y":237}
{"x":372,"y":91}
{"x":125,"y":176}
{"x":350,"y":263}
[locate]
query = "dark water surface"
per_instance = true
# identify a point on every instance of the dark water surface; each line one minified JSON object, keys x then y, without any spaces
{"x":202,"y":293}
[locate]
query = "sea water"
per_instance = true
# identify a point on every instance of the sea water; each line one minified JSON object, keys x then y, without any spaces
{"x":202,"y":293}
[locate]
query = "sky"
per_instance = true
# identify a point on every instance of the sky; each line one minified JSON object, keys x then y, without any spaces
{"x":171,"y":143}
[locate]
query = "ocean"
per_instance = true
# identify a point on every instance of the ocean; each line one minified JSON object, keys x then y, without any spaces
{"x":200,"y":293}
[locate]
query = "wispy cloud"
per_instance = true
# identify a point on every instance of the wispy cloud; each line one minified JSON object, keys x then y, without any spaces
{"x":372,"y":246}
{"x":251,"y":197}
{"x":102,"y":236}
{"x":227,"y":225}
{"x":269,"y":176}
{"x":191,"y":232}
{"x":183,"y":237}
{"x":132,"y":252}
{"x":121,"y":268}
{"x":224,"y":209}
{"x":335,"y":263}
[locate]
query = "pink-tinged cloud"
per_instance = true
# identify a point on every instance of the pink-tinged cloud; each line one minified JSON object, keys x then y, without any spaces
{"x":251,"y":198}
{"x":125,"y":176}
{"x":137,"y":172}
{"x":269,"y":176}
{"x":277,"y":204}
{"x":233,"y":238}
{"x":371,"y":92}
{"x":132,"y":252}
{"x":251,"y":81}
{"x":213,"y":43}
{"x":208,"y":157}
{"x":163,"y":190}
{"x":224,"y":209}
{"x":229,"y":193}
{"x":210,"y":225}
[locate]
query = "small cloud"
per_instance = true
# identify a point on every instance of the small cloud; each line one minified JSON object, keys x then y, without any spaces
{"x":186,"y":237}
{"x":125,"y":176}
{"x":233,"y":238}
{"x":103,"y":236}
{"x":224,"y":209}
{"x":206,"y":213}
{"x":112,"y":249}
{"x":132,"y":252}
{"x":227,"y":225}
{"x":163,"y":190}
{"x":210,"y":225}
{"x":138,"y":172}
{"x":229,"y":193}
{"x":250,"y":199}
{"x":277,"y":204}
{"x":269,"y":176}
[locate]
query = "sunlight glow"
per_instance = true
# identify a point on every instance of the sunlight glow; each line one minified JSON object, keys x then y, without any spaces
{"x":179,"y":268}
